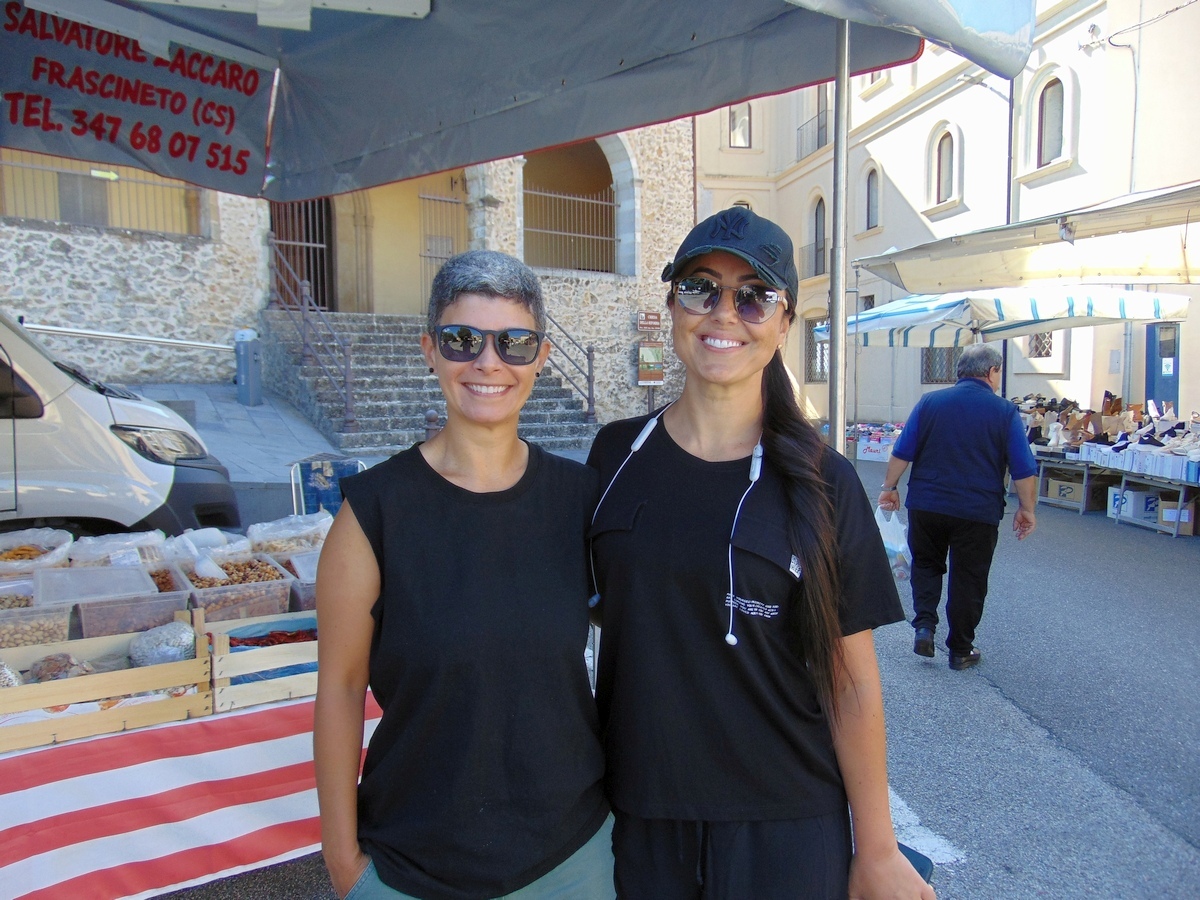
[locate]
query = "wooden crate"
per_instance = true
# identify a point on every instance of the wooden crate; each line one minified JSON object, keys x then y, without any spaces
{"x":227,"y":664}
{"x":86,"y":688}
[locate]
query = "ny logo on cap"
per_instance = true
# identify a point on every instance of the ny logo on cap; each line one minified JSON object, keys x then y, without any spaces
{"x":731,"y":223}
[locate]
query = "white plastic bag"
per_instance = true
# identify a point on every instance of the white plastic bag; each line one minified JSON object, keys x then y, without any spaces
{"x":33,"y":548}
{"x":895,"y":541}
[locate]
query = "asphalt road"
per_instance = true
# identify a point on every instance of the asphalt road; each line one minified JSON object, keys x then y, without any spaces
{"x":1066,"y":765}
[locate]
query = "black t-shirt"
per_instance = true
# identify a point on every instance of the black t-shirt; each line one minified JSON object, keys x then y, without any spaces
{"x":485,"y":771}
{"x":694,"y":728}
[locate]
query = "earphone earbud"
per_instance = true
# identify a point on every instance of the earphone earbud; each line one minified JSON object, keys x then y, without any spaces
{"x":731,"y":639}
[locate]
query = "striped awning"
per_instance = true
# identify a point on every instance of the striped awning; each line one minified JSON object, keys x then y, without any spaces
{"x":966,"y":317}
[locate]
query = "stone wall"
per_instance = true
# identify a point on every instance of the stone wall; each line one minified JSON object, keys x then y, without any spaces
{"x":189,"y":288}
{"x":495,"y":211}
{"x":600,"y":309}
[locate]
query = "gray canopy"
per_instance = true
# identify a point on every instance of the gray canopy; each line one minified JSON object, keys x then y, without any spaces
{"x":286,"y":101}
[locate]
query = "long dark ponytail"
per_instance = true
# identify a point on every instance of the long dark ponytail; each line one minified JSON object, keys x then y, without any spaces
{"x":795,"y":449}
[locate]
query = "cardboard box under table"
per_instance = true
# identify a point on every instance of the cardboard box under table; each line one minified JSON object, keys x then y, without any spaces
{"x":1072,"y":492}
{"x":1141,"y":506}
{"x":1169,"y":513}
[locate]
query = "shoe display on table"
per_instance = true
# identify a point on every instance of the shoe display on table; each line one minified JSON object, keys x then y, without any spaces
{"x":923,"y":642}
{"x":960,"y":661}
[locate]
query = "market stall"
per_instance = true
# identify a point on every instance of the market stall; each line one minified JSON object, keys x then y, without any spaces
{"x":155,"y":706}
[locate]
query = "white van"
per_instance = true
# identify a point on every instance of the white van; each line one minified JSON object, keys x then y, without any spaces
{"x":95,"y":458}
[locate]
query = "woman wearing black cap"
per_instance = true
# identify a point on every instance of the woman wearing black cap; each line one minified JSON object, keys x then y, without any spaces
{"x":741,"y":574}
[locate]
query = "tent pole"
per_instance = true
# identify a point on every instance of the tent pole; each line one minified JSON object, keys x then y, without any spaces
{"x":837,"y":264}
{"x":1127,"y":366}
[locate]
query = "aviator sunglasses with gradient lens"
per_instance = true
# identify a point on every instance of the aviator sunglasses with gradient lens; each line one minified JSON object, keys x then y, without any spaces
{"x":514,"y":346}
{"x":755,"y":303}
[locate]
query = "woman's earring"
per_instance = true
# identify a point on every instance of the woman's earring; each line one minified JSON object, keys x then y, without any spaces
{"x":431,"y":370}
{"x":538,"y":374}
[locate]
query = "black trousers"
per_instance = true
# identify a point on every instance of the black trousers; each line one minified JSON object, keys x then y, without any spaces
{"x":970,"y":546}
{"x":672,"y":859}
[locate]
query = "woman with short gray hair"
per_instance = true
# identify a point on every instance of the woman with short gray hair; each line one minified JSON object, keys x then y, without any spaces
{"x":454,"y":584}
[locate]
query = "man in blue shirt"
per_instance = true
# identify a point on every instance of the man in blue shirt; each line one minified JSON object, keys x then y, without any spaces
{"x":960,"y":441}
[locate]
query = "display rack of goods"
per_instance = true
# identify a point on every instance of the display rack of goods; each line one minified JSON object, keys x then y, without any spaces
{"x":81,"y":688}
{"x":254,"y":585}
{"x":141,"y":611}
{"x":263,"y":660}
{"x":303,"y":567}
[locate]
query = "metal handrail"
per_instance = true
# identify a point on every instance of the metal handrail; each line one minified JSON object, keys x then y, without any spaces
{"x":320,"y":342}
{"x":129,"y":338}
{"x":586,"y":372}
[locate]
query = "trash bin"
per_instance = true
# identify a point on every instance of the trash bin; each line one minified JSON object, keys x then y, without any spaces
{"x":247,"y":349}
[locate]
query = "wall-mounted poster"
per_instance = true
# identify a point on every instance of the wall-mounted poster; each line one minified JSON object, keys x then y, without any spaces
{"x":650,"y":363}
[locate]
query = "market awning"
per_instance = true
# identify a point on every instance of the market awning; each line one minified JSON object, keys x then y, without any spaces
{"x":298,"y":102}
{"x":1136,"y":239}
{"x":957,"y":319}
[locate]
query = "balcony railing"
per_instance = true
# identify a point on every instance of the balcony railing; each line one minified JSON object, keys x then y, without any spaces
{"x":812,"y":135}
{"x":814,"y":259}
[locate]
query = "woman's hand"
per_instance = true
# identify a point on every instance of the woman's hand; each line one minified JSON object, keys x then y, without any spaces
{"x":345,"y":874}
{"x":887,"y":877}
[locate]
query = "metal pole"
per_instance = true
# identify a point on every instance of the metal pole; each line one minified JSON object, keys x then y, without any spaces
{"x":837,"y":267}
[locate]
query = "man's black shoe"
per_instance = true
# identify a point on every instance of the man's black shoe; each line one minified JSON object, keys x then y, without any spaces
{"x":923,"y":642}
{"x":960,"y":661}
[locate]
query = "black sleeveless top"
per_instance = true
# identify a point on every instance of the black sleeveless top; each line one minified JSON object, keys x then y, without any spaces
{"x":485,"y":771}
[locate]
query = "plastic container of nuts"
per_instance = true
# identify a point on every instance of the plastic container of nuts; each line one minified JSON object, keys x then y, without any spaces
{"x":138,"y":612}
{"x":255,"y":585}
{"x":28,"y":625}
{"x":304,"y":567}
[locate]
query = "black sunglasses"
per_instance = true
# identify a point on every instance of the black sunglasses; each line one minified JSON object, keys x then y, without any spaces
{"x":754,"y":302}
{"x":462,"y":343}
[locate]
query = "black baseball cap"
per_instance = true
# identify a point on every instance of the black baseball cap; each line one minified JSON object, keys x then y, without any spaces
{"x":740,"y":231}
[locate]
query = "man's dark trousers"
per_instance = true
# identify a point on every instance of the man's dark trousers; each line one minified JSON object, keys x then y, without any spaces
{"x":970,"y":546}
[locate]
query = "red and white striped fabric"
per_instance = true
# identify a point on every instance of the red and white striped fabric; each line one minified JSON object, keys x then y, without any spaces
{"x":139,"y":813}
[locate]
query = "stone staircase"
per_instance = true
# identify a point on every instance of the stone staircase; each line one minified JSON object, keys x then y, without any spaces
{"x":393,"y":388}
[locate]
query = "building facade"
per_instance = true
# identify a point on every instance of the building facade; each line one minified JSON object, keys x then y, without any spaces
{"x":1108,"y":105}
